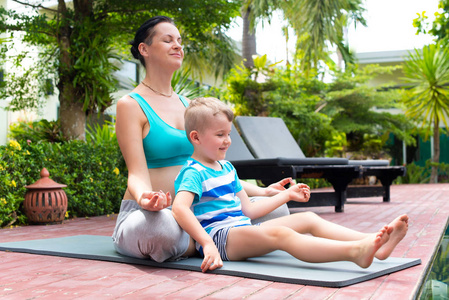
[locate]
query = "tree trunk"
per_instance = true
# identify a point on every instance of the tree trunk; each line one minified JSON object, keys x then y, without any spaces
{"x":248,"y":40}
{"x":72,"y":116}
{"x":436,"y":151}
{"x":71,"y":113}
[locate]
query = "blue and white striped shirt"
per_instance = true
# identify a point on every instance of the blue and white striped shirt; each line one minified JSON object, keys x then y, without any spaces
{"x":216,"y":204}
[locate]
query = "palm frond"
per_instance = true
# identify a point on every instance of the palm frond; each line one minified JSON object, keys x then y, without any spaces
{"x":184,"y":85}
{"x":427,"y":73}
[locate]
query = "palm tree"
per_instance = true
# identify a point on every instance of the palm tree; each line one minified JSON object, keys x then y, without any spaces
{"x":427,"y":71}
{"x":248,"y":38}
{"x":217,"y":56}
{"x":251,"y":11}
{"x":319,"y":22}
{"x":316,"y":22}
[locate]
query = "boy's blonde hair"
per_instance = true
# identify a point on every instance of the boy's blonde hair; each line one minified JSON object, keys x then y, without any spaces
{"x":200,"y":111}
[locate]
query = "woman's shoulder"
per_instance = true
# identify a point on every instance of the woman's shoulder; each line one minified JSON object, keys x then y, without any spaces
{"x":127,"y":105}
{"x":128,"y":100}
{"x":125,"y":99}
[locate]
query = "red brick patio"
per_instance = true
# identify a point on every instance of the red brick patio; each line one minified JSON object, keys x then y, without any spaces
{"x":27,"y":276}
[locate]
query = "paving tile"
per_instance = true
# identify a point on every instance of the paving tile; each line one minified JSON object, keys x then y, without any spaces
{"x":205,"y":287}
{"x":277,"y":290}
{"x":241,"y":289}
{"x":312,"y":292}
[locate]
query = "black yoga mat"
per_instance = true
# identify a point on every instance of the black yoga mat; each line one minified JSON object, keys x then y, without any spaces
{"x":276,"y":266}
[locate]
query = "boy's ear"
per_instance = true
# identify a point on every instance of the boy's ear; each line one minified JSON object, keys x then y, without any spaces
{"x":194,"y":137}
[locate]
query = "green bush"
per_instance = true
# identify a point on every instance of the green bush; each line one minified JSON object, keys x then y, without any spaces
{"x":421,"y":174}
{"x":101,"y":134}
{"x":95,"y":175}
{"x":315,"y":183}
{"x":36,"y":131}
{"x":12,"y":183}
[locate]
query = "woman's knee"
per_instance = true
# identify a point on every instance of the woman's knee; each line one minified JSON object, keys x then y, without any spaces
{"x":161,"y":225}
{"x":151,"y":234}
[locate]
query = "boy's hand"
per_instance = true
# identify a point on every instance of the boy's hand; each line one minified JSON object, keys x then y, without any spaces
{"x":155,"y":201}
{"x":299,"y":192}
{"x":212,"y":259}
{"x":277,"y":187}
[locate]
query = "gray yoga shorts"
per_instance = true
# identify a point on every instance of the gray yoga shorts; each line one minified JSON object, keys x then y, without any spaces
{"x":156,"y":235}
{"x":148,"y":234}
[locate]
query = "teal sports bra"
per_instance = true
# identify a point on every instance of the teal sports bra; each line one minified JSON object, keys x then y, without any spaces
{"x":164,"y":145}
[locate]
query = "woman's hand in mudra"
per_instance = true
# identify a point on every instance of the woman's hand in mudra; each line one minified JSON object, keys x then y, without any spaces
{"x":155,"y":201}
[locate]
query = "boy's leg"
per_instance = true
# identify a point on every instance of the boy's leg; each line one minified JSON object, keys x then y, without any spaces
{"x":309,"y":222}
{"x":250,"y":241}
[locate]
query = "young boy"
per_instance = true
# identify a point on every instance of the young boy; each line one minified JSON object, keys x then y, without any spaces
{"x":211,"y":206}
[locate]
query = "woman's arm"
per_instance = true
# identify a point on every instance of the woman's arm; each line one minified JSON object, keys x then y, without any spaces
{"x":129,"y":129}
{"x":253,"y":190}
{"x":187,"y":220}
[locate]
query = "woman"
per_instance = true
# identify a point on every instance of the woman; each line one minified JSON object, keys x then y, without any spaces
{"x":145,"y":228}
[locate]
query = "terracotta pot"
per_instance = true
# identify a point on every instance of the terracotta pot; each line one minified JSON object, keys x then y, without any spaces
{"x":45,"y":201}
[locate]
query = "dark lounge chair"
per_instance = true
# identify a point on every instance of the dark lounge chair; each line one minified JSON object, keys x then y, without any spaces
{"x":269,"y":137}
{"x":336,"y":170}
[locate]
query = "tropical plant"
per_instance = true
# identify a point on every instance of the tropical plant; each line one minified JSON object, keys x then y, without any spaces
{"x":427,"y":72}
{"x":37,"y":131}
{"x":296,"y":100}
{"x":317,"y":23}
{"x":78,"y":43}
{"x":316,"y":112}
{"x":253,"y":11}
{"x":249,"y":96}
{"x":359,"y":110}
{"x":184,"y":85}
{"x":440,"y":25}
{"x":336,"y":147}
{"x":320,"y":23}
{"x":101,"y":134}
{"x":249,"y":44}
{"x":216,"y":56}
{"x":415,"y":174}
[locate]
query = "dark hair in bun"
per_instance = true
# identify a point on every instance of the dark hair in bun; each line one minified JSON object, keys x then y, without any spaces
{"x":145,"y":34}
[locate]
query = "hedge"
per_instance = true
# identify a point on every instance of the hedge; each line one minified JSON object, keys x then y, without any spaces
{"x":95,"y":175}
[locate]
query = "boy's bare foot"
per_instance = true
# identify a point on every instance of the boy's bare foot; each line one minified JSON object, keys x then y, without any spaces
{"x":397,"y":230}
{"x":369,"y":246}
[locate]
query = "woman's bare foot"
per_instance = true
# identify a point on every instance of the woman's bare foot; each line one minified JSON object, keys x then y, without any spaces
{"x":369,"y":246}
{"x":397,"y":230}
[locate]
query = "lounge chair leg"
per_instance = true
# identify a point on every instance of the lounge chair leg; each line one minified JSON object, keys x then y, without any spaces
{"x":386,"y":183}
{"x":340,"y":207}
{"x":386,"y":193}
{"x":340,"y":185}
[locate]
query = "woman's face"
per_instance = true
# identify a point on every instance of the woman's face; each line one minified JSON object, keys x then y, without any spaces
{"x":166,"y":47}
